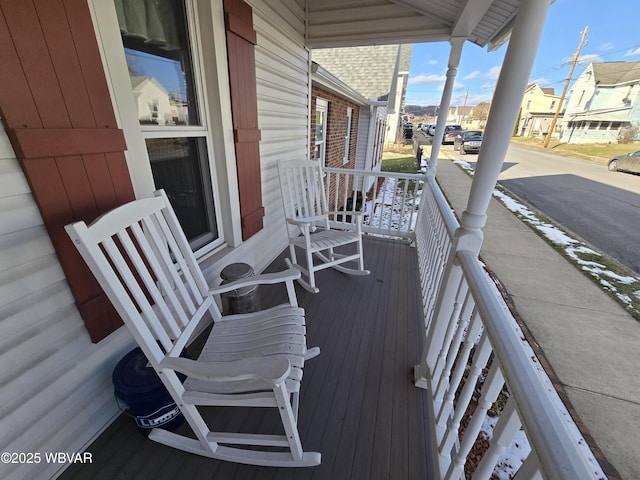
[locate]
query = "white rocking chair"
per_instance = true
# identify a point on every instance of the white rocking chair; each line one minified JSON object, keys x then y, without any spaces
{"x":143,"y":261}
{"x":309,"y":225}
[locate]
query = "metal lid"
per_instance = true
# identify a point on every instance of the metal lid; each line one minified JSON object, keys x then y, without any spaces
{"x":134,"y":376}
{"x":236,"y":271}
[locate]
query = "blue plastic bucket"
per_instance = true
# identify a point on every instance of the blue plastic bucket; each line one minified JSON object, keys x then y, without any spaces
{"x":141,"y":394}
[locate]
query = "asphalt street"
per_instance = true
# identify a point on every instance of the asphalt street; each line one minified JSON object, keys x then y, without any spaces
{"x":598,"y":206}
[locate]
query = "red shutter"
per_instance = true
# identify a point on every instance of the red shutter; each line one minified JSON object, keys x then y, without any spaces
{"x":57,"y":111}
{"x":241,"y":39}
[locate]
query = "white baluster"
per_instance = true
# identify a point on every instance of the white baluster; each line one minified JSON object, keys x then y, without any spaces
{"x":479,"y":361}
{"x":490,"y":390}
{"x":456,"y":379}
{"x":503,"y":435}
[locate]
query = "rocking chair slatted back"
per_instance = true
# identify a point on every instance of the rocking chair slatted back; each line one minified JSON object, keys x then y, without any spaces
{"x":154,"y":278}
{"x":303,"y":191}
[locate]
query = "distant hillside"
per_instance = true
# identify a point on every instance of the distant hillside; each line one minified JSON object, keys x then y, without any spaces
{"x":420,"y":111}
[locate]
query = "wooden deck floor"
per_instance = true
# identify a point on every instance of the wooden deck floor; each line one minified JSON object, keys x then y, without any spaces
{"x":358,"y":406}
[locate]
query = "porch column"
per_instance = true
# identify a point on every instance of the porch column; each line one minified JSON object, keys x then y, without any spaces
{"x":454,"y":60}
{"x":509,"y":91}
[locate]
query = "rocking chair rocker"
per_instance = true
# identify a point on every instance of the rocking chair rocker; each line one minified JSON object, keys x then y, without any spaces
{"x":310,"y":228}
{"x":141,"y":258}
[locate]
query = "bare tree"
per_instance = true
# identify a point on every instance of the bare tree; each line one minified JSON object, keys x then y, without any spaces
{"x":481,"y":113}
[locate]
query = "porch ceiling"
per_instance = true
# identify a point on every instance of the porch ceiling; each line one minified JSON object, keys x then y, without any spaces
{"x":340,"y":23}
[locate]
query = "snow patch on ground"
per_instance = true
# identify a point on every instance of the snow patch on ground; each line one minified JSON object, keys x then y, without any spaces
{"x":513,"y":457}
{"x":387,"y":211}
{"x":581,"y":255}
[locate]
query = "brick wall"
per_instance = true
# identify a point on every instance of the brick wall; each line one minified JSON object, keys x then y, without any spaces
{"x":336,"y":132}
{"x":336,"y":128}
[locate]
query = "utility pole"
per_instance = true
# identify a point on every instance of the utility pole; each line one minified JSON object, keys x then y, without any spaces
{"x":464,"y":108}
{"x":574,"y":60}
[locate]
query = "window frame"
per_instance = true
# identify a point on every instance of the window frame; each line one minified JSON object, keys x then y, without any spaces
{"x":211,"y":82}
{"x":322,"y":107}
{"x":347,"y":137}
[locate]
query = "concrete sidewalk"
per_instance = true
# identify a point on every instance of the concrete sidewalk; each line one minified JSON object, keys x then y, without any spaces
{"x":591,"y":343}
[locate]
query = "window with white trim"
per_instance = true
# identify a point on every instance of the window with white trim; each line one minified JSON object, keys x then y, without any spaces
{"x":347,"y":137}
{"x":157,"y":76}
{"x":322,"y":107}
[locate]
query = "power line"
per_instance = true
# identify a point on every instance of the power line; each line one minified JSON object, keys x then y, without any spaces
{"x":566,"y":87}
{"x":580,"y":62}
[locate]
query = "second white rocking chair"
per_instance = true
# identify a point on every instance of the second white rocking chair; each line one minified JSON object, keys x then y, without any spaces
{"x":310,"y":227}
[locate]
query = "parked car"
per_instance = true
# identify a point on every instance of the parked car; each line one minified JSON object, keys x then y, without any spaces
{"x":407,"y":130}
{"x":627,"y":163}
{"x":450,"y":133}
{"x":468,"y":141}
{"x":432,"y":130}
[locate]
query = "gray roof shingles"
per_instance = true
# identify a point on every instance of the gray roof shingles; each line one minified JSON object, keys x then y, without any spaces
{"x":369,"y":69}
{"x":613,"y":73}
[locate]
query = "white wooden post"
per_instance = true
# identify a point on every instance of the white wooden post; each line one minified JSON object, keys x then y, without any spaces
{"x":510,"y":88}
{"x":454,"y":60}
{"x":452,"y":273}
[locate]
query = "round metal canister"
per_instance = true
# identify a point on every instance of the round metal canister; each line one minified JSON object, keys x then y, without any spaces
{"x":242,"y":300}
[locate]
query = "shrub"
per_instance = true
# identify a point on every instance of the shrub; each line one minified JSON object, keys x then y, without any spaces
{"x":628,"y":134}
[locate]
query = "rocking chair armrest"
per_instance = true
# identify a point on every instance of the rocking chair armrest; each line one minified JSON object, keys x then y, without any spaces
{"x":264,"y":279}
{"x":356,"y":213}
{"x":305,"y":221}
{"x":271,"y":370}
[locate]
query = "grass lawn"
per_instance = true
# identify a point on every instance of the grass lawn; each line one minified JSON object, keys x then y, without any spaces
{"x":398,"y":162}
{"x":594,"y":152}
{"x":401,"y":158}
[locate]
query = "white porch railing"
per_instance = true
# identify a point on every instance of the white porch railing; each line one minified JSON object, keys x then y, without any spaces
{"x":391,"y":203}
{"x":474,"y":351}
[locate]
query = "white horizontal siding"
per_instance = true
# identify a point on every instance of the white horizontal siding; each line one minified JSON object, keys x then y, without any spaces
{"x":282,"y":71}
{"x":55,"y":385}
{"x":339,"y":24}
{"x":362,"y":142}
{"x":282,"y":77}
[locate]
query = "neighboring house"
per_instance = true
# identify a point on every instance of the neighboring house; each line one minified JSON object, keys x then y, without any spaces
{"x":153,"y":102}
{"x":539,"y":106}
{"x":378,"y":72}
{"x":466,"y":116}
{"x":603,"y":100}
{"x":347,"y":129}
{"x":462,"y":116}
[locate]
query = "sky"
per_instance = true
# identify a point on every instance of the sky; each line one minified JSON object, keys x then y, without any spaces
{"x":613,"y":35}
